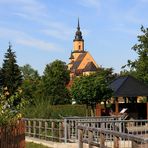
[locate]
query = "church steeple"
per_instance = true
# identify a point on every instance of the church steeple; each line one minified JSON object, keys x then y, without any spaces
{"x":78,"y":34}
{"x":78,"y":40}
{"x":78,"y":25}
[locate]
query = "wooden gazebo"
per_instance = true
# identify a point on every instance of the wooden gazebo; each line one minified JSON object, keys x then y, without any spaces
{"x":128,"y":88}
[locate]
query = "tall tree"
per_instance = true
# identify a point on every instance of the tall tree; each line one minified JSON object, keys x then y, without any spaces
{"x":0,"y":80}
{"x":55,"y":79}
{"x":10,"y":72}
{"x":92,"y":89}
{"x":31,"y":83}
{"x":139,"y":67}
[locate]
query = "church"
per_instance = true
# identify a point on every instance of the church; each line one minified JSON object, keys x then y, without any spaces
{"x":81,"y":62}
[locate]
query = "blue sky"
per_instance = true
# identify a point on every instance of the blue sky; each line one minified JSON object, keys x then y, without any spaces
{"x":41,"y":31}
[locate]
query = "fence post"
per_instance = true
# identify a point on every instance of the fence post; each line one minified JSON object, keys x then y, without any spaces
{"x":29,"y":127}
{"x":52,"y":128}
{"x":80,"y":138}
{"x":40,"y":125}
{"x":34,"y":128}
{"x":116,"y":142}
{"x":65,"y":130}
{"x":134,"y":144}
{"x":102,"y":139}
{"x":90,"y":138}
{"x":60,"y":131}
{"x":46,"y":126}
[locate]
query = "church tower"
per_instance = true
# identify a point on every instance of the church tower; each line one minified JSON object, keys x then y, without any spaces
{"x":78,"y":42}
{"x":81,"y":62}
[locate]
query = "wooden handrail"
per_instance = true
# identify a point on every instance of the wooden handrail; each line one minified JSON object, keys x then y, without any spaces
{"x":134,"y":138}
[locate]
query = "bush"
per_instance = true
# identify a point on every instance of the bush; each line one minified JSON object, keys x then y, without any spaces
{"x":44,"y":110}
{"x":10,"y":113}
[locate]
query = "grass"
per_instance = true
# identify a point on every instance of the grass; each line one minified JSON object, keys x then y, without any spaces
{"x":34,"y":145}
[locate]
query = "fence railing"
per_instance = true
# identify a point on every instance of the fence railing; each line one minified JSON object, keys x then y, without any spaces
{"x":48,"y":129}
{"x":71,"y":124}
{"x":135,"y":127}
{"x":13,"y":136}
{"x":119,"y":140}
{"x":60,"y":130}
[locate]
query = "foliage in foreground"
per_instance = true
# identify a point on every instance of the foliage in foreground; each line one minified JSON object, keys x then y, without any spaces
{"x":10,"y":112}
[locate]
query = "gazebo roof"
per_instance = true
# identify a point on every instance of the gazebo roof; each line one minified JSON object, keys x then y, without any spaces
{"x":128,"y":86}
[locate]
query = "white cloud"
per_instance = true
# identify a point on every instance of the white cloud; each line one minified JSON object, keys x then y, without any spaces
{"x":31,"y":9}
{"x":25,"y":39}
{"x":40,"y":44}
{"x":57,"y":30}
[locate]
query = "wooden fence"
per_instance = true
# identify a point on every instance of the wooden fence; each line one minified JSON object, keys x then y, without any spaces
{"x":109,"y":138}
{"x":64,"y":130}
{"x":13,"y":136}
{"x":48,"y":129}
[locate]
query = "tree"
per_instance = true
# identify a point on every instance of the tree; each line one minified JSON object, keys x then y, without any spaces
{"x":11,"y":76}
{"x":31,"y":83}
{"x":91,"y":89}
{"x":139,"y":67}
{"x":55,"y":79}
{"x":0,"y":80}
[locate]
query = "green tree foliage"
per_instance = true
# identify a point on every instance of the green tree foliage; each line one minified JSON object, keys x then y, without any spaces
{"x":11,"y":76}
{"x":31,"y":83}
{"x":139,"y":67}
{"x":55,"y":79}
{"x":1,"y":80}
{"x":92,"y":89}
{"x":10,"y":113}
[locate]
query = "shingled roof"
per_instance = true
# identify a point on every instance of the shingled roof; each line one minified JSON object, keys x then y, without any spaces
{"x":90,"y":67}
{"x":128,"y":86}
{"x":78,"y":61}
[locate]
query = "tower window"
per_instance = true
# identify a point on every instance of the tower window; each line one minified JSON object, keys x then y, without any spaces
{"x":79,"y":47}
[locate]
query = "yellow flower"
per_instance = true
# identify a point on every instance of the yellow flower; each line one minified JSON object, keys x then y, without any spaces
{"x":19,"y":116}
{"x":5,"y":88}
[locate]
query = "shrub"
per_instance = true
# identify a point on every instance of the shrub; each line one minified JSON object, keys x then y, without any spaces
{"x":9,"y":112}
{"x":44,"y":110}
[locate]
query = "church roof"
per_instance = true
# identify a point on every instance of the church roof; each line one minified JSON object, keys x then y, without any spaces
{"x":81,"y":56}
{"x":128,"y":86}
{"x":71,"y":56}
{"x":78,"y":61}
{"x":90,"y":67}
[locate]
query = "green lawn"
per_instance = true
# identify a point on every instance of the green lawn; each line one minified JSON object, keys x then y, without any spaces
{"x":34,"y":145}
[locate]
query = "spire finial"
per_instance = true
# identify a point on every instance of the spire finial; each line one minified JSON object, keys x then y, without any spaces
{"x":78,"y":24}
{"x":10,"y":45}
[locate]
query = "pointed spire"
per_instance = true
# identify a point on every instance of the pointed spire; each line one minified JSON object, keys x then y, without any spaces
{"x":10,"y":45}
{"x":78,"y":24}
{"x":78,"y":34}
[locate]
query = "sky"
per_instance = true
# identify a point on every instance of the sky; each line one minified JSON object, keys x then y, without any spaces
{"x":42,"y":31}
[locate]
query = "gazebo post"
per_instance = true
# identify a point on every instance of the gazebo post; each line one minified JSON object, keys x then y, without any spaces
{"x":98,"y":109}
{"x":125,"y":100}
{"x":116,"y":106}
